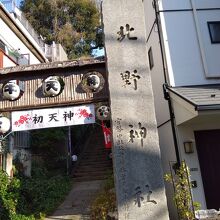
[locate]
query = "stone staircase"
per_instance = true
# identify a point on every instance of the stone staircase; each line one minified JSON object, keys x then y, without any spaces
{"x":95,"y":163}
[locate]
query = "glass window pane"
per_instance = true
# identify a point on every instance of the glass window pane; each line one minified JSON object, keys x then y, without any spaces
{"x":214,"y":30}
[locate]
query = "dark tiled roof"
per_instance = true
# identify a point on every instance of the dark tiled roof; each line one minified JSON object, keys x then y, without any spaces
{"x":52,"y":65}
{"x":203,"y":97}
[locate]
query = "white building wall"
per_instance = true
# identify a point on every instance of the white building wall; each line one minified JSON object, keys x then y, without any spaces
{"x":11,"y":40}
{"x":186,"y":4}
{"x":212,"y":51}
{"x":157,"y":77}
{"x":168,"y":155}
{"x":149,"y":16}
{"x":7,"y":62}
{"x":173,"y":4}
{"x":161,"y":105}
{"x":157,"y":74}
{"x":191,"y":58}
{"x":162,"y":115}
{"x":207,"y":4}
{"x":186,"y":46}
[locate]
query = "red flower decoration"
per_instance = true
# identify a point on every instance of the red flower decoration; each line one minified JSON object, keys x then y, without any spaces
{"x":23,"y":119}
{"x":83,"y":113}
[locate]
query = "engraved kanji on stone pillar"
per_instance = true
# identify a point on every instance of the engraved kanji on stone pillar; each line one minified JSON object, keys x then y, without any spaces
{"x":141,"y":198}
{"x":126,"y":31}
{"x":139,"y":133}
{"x":130,"y":79}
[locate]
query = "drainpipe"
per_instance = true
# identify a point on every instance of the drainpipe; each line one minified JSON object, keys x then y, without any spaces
{"x":165,"y":85}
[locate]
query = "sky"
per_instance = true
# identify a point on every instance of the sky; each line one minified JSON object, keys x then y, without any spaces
{"x":98,"y":52}
{"x":18,"y":2}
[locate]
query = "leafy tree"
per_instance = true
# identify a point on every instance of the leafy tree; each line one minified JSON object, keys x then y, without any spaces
{"x":73,"y":23}
{"x":182,"y":191}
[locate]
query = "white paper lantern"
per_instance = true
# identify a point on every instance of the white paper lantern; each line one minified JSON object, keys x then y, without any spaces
{"x":103,"y":113}
{"x":4,"y":125}
{"x":11,"y":91}
{"x":51,"y":86}
{"x":93,"y":82}
{"x":74,"y":158}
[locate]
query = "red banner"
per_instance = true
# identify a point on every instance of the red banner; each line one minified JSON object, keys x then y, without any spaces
{"x":107,"y":136}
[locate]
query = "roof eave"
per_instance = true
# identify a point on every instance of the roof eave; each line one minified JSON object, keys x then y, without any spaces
{"x":207,"y":107}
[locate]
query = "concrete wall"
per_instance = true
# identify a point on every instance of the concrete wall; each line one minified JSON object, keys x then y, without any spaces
{"x":168,"y":155}
{"x":161,"y":105}
{"x":7,"y":62}
{"x":191,"y":58}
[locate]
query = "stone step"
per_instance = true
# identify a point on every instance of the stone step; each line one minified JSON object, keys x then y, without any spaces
{"x":89,"y":178}
{"x":96,"y":160}
{"x":94,"y":167}
{"x":95,"y":163}
{"x":105,"y":173}
{"x":90,"y":172}
{"x":92,"y":151}
{"x":95,"y":151}
{"x":88,"y":168}
{"x":97,"y":168}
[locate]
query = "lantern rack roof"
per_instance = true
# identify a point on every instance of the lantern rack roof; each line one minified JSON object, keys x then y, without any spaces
{"x":52,"y":65}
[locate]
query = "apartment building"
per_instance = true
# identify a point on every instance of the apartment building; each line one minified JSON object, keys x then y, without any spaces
{"x":21,"y":45}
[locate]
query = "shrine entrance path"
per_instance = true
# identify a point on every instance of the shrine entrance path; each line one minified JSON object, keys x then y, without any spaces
{"x":77,"y":203}
{"x":88,"y":178}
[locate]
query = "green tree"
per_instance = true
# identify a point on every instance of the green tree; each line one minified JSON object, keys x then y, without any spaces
{"x":73,"y":23}
{"x":182,"y":191}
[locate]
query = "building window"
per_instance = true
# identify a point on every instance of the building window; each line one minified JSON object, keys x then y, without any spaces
{"x":2,"y":45}
{"x":21,"y":139}
{"x":150,"y":57}
{"x":214,"y":31}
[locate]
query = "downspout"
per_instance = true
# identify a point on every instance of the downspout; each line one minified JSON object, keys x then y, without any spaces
{"x":165,"y":85}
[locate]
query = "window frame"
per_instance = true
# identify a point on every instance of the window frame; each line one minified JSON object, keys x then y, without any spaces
{"x":2,"y":46}
{"x":210,"y":32}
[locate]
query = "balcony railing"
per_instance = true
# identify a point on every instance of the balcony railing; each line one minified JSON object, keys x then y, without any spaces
{"x":30,"y":30}
{"x":10,"y":5}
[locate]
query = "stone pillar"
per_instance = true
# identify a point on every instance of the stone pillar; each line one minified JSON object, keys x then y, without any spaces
{"x":136,"y":154}
{"x":9,"y":165}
